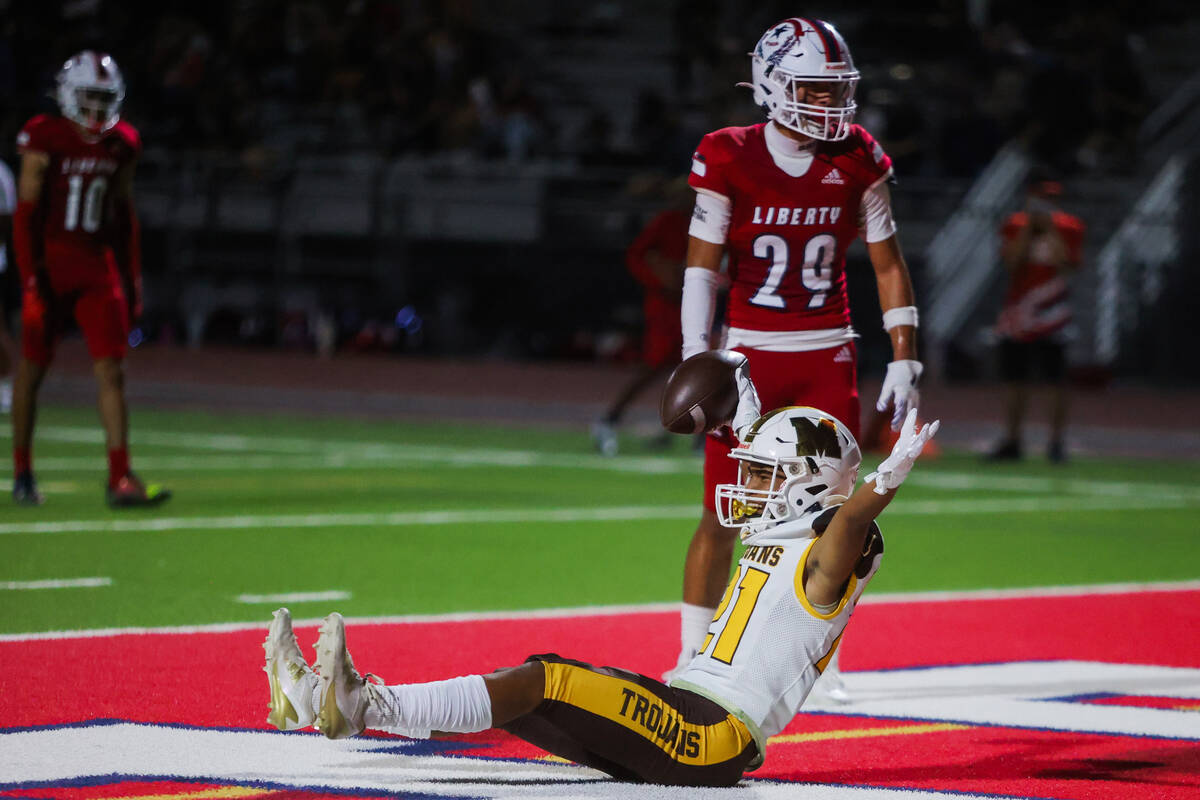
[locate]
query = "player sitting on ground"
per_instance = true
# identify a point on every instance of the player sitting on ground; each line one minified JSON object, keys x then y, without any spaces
{"x":810,"y":553}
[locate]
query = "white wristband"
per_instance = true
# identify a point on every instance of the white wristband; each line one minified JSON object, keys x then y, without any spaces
{"x":904,"y":315}
{"x":697,"y":307}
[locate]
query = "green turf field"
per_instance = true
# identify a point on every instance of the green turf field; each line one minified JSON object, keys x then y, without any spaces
{"x":416,"y":518}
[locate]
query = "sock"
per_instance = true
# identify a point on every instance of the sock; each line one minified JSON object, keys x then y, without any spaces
{"x":459,"y":705}
{"x":693,"y":626}
{"x":22,"y":460}
{"x":118,"y":465}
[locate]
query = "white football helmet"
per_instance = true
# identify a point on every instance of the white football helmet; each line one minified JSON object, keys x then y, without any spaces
{"x":91,"y":90}
{"x":792,"y":56}
{"x":815,"y":454}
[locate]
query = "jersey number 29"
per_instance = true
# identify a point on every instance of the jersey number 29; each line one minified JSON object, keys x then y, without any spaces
{"x":816,"y":273}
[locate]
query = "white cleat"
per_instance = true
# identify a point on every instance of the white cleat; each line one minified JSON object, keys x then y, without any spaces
{"x":345,"y":694}
{"x":292,"y":680}
{"x":834,"y":687}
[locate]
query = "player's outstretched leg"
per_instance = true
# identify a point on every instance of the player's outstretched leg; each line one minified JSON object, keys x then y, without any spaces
{"x":293,"y":683}
{"x":349,"y":703}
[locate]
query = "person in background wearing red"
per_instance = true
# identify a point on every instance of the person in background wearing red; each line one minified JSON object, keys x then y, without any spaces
{"x":1042,"y":246}
{"x":655,"y":258}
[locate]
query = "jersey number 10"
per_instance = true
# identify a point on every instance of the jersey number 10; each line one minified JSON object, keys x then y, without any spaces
{"x":816,"y":273}
{"x":92,"y":205}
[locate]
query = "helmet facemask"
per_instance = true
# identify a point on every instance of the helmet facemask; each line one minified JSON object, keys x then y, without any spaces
{"x":795,"y":461}
{"x":827,"y":122}
{"x":97,"y":109}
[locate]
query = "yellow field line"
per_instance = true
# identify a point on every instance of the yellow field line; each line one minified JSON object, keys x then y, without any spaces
{"x":862,"y":733}
{"x":221,"y":793}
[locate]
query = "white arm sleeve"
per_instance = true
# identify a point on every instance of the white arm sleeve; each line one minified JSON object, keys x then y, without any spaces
{"x":875,"y":213}
{"x":710,"y":217}
{"x":696,"y":309}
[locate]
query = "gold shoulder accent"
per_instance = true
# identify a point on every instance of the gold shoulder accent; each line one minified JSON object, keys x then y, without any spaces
{"x":798,"y":582}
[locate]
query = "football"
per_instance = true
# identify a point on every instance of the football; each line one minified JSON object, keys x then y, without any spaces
{"x":701,"y":394}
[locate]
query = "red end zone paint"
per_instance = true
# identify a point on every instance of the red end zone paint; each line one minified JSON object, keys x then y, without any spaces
{"x":1142,"y":628}
{"x":216,"y":678}
{"x":133,"y":790}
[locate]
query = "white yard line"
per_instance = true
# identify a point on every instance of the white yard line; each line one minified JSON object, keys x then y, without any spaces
{"x":292,"y":597}
{"x":962,"y":506}
{"x":60,"y":487}
{"x":1031,"y":592}
{"x":267,"y":453}
{"x":55,"y":583}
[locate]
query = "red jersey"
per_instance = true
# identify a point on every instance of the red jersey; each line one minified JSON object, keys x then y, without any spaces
{"x":74,"y":213}
{"x":1036,"y":304}
{"x":668,"y":234}
{"x":788,"y":235}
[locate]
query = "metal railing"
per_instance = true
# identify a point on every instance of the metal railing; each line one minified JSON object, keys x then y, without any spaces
{"x":1132,"y":262}
{"x":963,"y":256}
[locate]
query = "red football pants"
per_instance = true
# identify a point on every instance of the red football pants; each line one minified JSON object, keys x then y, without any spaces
{"x":100,"y":310}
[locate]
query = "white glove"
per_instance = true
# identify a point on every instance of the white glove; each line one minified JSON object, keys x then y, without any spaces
{"x":749,"y":407}
{"x":900,"y":389}
{"x":894,"y":469}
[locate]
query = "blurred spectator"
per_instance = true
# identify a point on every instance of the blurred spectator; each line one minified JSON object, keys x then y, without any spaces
{"x":8,"y":204}
{"x":655,"y":258}
{"x":1042,"y":246}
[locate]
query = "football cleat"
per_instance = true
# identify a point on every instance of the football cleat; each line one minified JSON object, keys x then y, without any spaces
{"x":345,"y":694}
{"x":25,"y":491}
{"x":292,"y":681}
{"x":833,"y":687}
{"x":1007,"y":450}
{"x":604,"y":436}
{"x":130,"y":492}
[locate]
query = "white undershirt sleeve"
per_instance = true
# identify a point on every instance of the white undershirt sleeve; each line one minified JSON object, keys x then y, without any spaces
{"x":875,"y":213}
{"x":710,"y":217}
{"x":696,"y":310}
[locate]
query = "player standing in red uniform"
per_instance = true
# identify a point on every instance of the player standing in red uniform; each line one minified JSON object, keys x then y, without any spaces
{"x":75,"y":235}
{"x":784,"y":200}
{"x":655,"y":258}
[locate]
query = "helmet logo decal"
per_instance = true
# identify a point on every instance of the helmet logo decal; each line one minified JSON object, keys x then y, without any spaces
{"x":816,"y":438}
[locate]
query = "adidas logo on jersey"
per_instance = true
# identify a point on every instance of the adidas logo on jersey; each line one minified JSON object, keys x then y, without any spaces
{"x":833,"y":177}
{"x":843,"y":355}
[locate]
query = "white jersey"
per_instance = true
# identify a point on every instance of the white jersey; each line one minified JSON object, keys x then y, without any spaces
{"x":767,"y":645}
